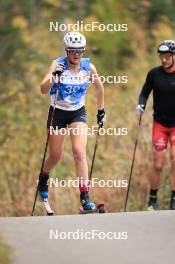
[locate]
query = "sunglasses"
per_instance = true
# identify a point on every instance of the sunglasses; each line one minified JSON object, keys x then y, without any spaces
{"x":75,"y":51}
{"x":165,"y":56}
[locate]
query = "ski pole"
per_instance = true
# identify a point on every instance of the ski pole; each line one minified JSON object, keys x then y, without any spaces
{"x":101,"y":206}
{"x":132,"y":165}
{"x":94,"y":154}
{"x":45,"y":150}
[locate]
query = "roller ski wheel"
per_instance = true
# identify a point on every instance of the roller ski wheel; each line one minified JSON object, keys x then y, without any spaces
{"x":101,"y":209}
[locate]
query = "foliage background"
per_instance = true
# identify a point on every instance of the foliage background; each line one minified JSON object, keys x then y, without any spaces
{"x":26,"y":51}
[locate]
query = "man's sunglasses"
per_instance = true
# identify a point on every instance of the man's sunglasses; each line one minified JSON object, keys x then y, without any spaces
{"x":76,"y":51}
{"x":166,"y":56}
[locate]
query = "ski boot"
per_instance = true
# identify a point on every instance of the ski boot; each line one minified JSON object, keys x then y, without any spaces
{"x":43,"y":185}
{"x":43,"y":191}
{"x":172,"y":203}
{"x":87,"y":205}
{"x":152,"y":204}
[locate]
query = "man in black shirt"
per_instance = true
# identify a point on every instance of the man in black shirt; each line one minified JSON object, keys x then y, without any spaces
{"x":162,"y":81}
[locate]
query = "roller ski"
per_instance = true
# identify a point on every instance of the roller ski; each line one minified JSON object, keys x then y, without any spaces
{"x":88,"y":206}
{"x":43,"y":192}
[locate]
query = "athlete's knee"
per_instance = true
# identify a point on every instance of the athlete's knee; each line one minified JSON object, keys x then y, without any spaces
{"x":79,"y":155}
{"x":158,"y":165}
{"x":158,"y":161}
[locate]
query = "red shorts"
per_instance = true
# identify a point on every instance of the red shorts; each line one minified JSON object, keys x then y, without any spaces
{"x":161,"y":135}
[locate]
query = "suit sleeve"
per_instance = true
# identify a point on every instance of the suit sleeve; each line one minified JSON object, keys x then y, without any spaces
{"x":146,"y":90}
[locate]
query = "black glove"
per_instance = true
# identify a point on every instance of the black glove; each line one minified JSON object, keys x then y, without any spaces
{"x":59,"y":69}
{"x":101,"y":117}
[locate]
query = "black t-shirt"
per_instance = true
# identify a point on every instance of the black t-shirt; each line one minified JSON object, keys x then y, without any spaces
{"x":163,"y":86}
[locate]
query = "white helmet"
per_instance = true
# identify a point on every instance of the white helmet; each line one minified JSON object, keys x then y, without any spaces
{"x":167,"y":46}
{"x":74,"y":40}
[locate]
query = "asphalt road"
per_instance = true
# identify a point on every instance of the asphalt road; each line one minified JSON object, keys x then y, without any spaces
{"x":134,"y":238}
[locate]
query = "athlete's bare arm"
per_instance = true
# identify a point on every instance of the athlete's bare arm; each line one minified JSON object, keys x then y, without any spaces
{"x":48,"y":81}
{"x":99,"y":87}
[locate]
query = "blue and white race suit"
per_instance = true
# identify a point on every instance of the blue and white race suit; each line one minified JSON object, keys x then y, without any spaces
{"x":72,"y":87}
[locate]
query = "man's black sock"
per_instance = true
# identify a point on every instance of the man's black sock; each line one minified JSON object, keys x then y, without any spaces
{"x":153,"y":195}
{"x":172,"y":194}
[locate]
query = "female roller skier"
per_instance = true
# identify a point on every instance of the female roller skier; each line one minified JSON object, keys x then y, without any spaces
{"x":74,"y":74}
